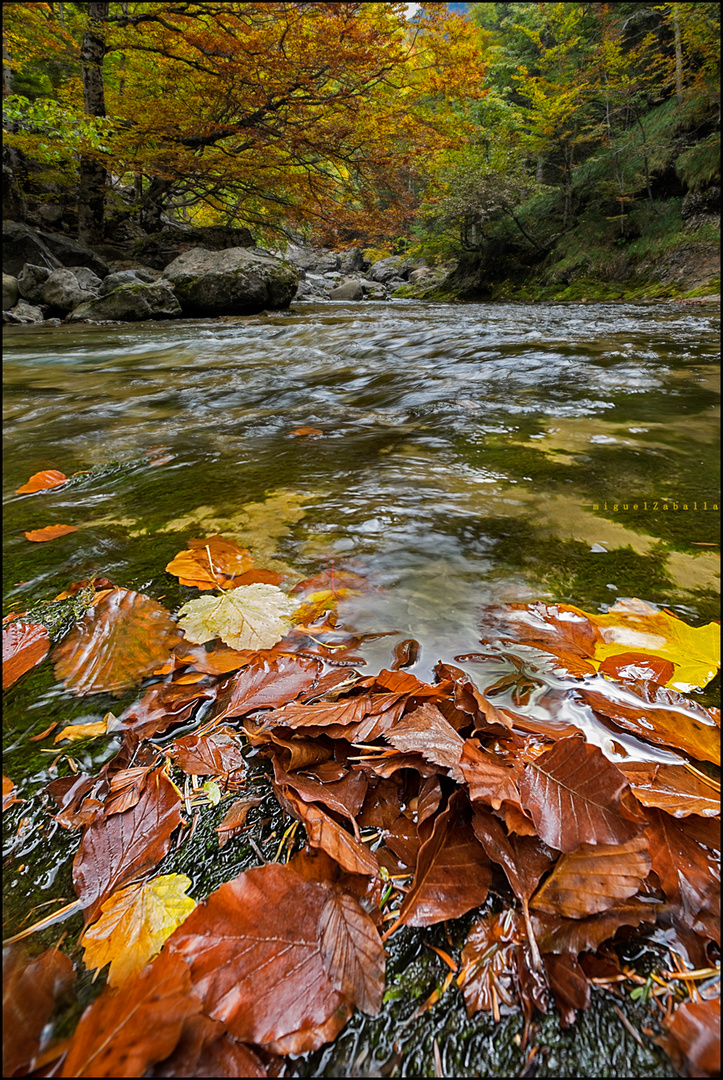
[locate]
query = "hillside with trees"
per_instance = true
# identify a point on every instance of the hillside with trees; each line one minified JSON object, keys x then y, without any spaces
{"x":530,"y":150}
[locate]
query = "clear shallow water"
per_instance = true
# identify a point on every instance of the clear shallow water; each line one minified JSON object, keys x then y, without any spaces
{"x":469,"y":455}
{"x":464,"y":449}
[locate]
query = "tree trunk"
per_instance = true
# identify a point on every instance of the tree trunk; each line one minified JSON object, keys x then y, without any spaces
{"x":93,"y":175}
{"x":153,"y":203}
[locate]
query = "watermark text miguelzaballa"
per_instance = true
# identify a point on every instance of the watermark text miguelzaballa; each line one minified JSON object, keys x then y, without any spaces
{"x":657,"y":504}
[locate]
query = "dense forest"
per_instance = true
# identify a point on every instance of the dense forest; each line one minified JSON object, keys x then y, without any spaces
{"x":558,"y":149}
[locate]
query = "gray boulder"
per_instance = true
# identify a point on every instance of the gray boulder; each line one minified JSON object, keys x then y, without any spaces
{"x":350,"y":290}
{"x":385,"y":269}
{"x":231,"y":282}
{"x":421,"y":273}
{"x":30,"y":282}
{"x":127,"y":277}
{"x":162,"y":248}
{"x":21,"y":245}
{"x":130,"y":303}
{"x":61,"y":292}
{"x":72,"y":253}
{"x":86,"y":278}
{"x":352,"y":261}
{"x":24,"y":313}
{"x":373,"y":290}
{"x":10,"y":291}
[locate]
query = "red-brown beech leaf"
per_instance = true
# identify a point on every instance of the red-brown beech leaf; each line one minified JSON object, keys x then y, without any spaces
{"x":555,"y":934}
{"x":673,"y":788}
{"x":123,"y":1034}
{"x":267,"y":683}
{"x":425,"y":731}
{"x":344,"y":796}
{"x":217,"y":754}
{"x":555,"y":628}
{"x":569,"y":985}
{"x":206,"y":1049}
{"x":382,"y":803}
{"x":403,"y":839}
{"x":689,"y":874}
{"x":337,"y":713}
{"x":488,"y":778}
{"x":117,"y":643}
{"x":322,"y":831}
{"x":24,"y":646}
{"x":695,"y":1027}
{"x":524,"y":859}
{"x":574,"y":795}
{"x":254,"y":953}
{"x":116,"y":849}
{"x":660,"y":715}
{"x":489,"y":959}
{"x":31,"y":988}
{"x":352,"y":952}
{"x":163,"y":705}
{"x":453,"y":873}
{"x":593,"y":878}
{"x":633,"y":666}
{"x":235,"y":819}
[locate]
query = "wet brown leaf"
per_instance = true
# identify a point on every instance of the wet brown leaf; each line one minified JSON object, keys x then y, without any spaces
{"x":116,"y":644}
{"x":31,"y":988}
{"x":24,"y":646}
{"x":634,"y":666}
{"x":124,"y":1034}
{"x":661,"y":716}
{"x":555,"y":934}
{"x":593,"y":878}
{"x":689,"y":874}
{"x":206,"y":1049}
{"x":268,"y":682}
{"x":235,"y":819}
{"x":50,"y":532}
{"x":453,"y":873}
{"x":695,"y":1027}
{"x":425,"y":731}
{"x":42,"y":481}
{"x":345,"y":795}
{"x":674,"y":788}
{"x":569,"y":985}
{"x":322,"y":831}
{"x":574,"y":795}
{"x":163,"y":705}
{"x":116,"y":849}
{"x":352,"y":952}
{"x":254,"y":954}
{"x":489,"y":960}
{"x":524,"y":859}
{"x":217,"y":754}
{"x":488,"y":778}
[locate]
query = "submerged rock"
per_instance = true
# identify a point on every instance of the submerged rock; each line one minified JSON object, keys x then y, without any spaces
{"x":130,"y":303}
{"x":237,"y":281}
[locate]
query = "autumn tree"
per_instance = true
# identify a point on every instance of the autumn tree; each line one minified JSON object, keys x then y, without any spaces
{"x":267,"y":114}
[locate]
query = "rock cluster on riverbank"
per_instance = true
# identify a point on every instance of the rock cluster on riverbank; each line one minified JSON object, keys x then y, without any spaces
{"x":200,"y":272}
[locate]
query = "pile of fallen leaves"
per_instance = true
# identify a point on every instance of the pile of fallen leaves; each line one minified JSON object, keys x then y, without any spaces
{"x":411,"y":795}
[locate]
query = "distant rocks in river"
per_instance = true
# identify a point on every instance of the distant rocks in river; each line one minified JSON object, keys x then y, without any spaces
{"x":182,"y":271}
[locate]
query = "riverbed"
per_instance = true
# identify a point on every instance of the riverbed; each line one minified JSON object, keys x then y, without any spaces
{"x":452,"y":456}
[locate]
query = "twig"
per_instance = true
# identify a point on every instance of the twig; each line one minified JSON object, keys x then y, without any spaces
{"x":629,"y":1027}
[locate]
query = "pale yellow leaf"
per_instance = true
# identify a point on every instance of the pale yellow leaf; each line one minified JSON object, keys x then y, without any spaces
{"x":249,"y":617}
{"x":134,"y":924}
{"x":82,"y":731}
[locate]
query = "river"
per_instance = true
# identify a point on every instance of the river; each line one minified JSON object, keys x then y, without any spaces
{"x":453,"y":455}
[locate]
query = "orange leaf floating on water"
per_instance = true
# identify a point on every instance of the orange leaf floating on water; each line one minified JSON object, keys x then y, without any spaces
{"x":213,"y":563}
{"x":42,"y":481}
{"x":255,"y":955}
{"x":50,"y":532}
{"x":300,"y":432}
{"x":118,"y":848}
{"x":31,"y":988}
{"x":119,"y":641}
{"x":24,"y":646}
{"x":124,"y":1034}
{"x":635,"y":666}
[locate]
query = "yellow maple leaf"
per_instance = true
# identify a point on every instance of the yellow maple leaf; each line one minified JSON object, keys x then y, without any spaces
{"x":634,"y":626}
{"x":134,"y":924}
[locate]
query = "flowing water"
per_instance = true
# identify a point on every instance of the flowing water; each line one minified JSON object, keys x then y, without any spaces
{"x":459,"y":456}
